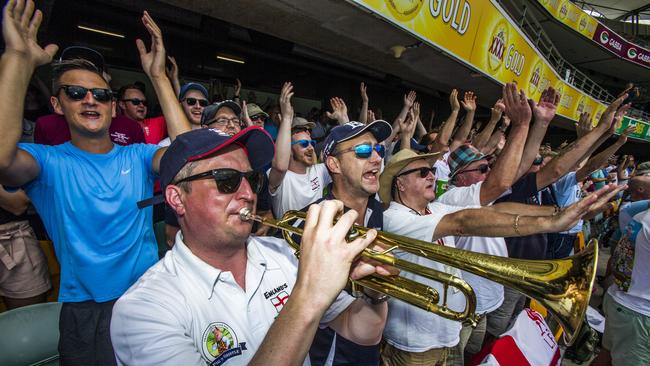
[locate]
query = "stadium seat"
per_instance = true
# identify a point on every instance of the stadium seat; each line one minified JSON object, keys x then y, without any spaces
{"x":31,"y":335}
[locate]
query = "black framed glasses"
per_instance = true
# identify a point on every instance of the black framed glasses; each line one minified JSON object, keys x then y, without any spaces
{"x":304,"y":143}
{"x":192,"y":102}
{"x":364,"y":151}
{"x":228,"y":180}
{"x":424,"y":171}
{"x":136,"y":101}
{"x":483,"y":168}
{"x":225,"y":121}
{"x":77,"y":93}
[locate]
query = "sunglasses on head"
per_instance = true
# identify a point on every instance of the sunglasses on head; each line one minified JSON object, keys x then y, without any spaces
{"x":228,"y":180}
{"x":136,"y":101}
{"x":363,"y":151}
{"x":193,"y":101}
{"x":424,"y":172}
{"x":483,"y":168}
{"x":77,"y":93}
{"x":304,"y":143}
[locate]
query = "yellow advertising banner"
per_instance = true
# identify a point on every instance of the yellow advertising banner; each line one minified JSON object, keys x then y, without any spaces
{"x":479,"y":34}
{"x":571,"y":15}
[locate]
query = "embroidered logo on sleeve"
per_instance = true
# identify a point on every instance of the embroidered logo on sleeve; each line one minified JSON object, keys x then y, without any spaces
{"x":220,"y":343}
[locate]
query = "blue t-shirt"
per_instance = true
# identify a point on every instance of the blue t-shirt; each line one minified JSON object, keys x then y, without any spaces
{"x":567,"y":192}
{"x":599,"y":174}
{"x":271,"y":129}
{"x":87,"y":202}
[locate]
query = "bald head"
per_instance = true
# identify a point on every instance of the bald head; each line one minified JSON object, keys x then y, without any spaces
{"x":639,"y":188}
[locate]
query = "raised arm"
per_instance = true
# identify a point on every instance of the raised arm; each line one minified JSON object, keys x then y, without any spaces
{"x":442,"y":139}
{"x":22,"y":55}
{"x":363,"y":114}
{"x":495,"y":115}
{"x":487,"y":221}
{"x":504,"y":171}
{"x":469,"y":105}
{"x":153,"y":64}
{"x":282,"y":156}
{"x":419,"y":127}
{"x":543,"y":114}
{"x":407,"y":128}
{"x":573,"y":155}
{"x":601,"y":158}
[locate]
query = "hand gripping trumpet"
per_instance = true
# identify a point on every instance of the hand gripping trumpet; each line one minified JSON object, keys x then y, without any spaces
{"x":562,"y":286}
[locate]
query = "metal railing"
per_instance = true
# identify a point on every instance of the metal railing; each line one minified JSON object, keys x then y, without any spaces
{"x":518,"y":10}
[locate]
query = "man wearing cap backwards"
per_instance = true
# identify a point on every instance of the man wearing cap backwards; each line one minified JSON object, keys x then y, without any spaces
{"x":193,"y":98}
{"x":85,"y":189}
{"x":295,"y":180}
{"x":415,"y":336}
{"x":222,"y":295}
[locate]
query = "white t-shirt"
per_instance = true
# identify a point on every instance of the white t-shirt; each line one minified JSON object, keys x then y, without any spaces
{"x":637,"y":296}
{"x":296,"y":191}
{"x":410,"y":328}
{"x":442,"y":168}
{"x":489,"y":294}
{"x":183,"y":311}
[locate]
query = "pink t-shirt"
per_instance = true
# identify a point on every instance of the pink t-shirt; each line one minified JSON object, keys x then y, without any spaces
{"x":54,"y":130}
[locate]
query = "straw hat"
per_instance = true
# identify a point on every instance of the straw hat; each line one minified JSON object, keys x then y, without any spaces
{"x":396,"y":164}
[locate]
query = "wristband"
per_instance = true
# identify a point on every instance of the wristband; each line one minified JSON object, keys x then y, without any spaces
{"x":375,"y":301}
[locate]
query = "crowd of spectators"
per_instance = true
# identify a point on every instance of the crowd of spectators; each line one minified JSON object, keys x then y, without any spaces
{"x":90,"y":163}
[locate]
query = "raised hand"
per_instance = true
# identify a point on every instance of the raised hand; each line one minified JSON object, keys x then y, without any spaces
{"x":453,"y":100}
{"x":607,"y":118}
{"x":544,"y":111}
{"x":584,"y":124}
{"x":153,"y":62}
{"x":409,"y":99}
{"x":469,"y":101}
{"x":244,"y":112}
{"x":626,"y":133}
{"x":339,"y":110}
{"x":326,"y":257}
{"x":570,"y":216}
{"x":364,"y":94}
{"x":286,"y":109}
{"x":172,"y":70}
{"x":407,"y":125}
{"x":20,"y":25}
{"x":497,"y":111}
{"x":517,"y":107}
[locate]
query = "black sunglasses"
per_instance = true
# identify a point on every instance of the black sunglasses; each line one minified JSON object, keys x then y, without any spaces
{"x":424,"y":171}
{"x":77,"y":93}
{"x":193,"y":101}
{"x":136,"y":101}
{"x":483,"y":168}
{"x":228,"y":180}
{"x":256,"y":117}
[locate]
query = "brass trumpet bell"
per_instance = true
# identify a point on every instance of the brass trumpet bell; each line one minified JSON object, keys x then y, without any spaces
{"x":562,"y":286}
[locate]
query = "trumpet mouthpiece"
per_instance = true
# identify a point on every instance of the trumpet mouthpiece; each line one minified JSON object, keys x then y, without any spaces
{"x":245,"y":214}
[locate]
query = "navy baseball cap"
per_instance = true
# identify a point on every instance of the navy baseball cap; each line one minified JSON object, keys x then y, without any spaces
{"x":379,"y":128}
{"x":210,"y":111}
{"x":192,"y":86}
{"x":202,"y":142}
{"x":88,"y":54}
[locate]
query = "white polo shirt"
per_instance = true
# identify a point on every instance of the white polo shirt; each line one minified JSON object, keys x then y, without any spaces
{"x":410,"y":328}
{"x":489,"y":294}
{"x":183,"y":311}
{"x":297,"y":191}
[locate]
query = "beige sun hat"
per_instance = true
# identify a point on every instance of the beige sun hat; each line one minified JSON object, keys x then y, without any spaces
{"x":396,"y":164}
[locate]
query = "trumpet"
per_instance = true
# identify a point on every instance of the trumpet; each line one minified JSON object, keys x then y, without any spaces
{"x":562,"y":286}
